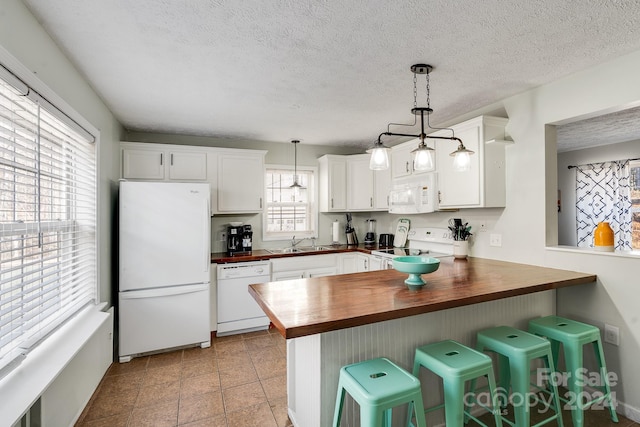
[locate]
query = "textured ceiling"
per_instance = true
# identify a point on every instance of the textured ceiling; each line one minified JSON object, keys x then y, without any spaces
{"x":325,"y":72}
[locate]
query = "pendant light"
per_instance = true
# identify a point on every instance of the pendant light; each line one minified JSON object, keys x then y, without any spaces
{"x":379,"y":156}
{"x":423,"y":154}
{"x":296,"y":186}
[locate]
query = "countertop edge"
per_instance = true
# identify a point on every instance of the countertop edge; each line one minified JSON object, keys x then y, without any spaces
{"x":333,"y":325}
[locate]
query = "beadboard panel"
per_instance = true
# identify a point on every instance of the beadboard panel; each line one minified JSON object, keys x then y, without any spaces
{"x":398,"y":339}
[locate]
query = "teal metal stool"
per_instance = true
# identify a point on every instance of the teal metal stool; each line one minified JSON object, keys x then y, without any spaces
{"x":574,"y":335}
{"x":516,"y":350}
{"x":456,"y":364}
{"x":378,"y":385}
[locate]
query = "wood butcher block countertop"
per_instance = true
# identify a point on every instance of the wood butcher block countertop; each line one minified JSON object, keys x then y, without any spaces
{"x":322,"y":304}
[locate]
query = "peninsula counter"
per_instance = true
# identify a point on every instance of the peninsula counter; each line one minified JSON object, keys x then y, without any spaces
{"x":333,"y":321}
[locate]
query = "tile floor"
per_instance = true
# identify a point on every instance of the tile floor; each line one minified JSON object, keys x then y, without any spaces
{"x":240,"y":381}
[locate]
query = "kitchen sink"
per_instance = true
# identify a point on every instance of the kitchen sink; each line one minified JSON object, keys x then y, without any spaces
{"x":298,"y":249}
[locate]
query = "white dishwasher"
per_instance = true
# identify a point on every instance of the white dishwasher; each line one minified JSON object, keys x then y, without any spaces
{"x":237,"y":310}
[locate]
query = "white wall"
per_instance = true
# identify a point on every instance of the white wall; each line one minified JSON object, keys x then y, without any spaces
{"x":567,"y":181}
{"x":532,"y":209}
{"x":22,"y":38}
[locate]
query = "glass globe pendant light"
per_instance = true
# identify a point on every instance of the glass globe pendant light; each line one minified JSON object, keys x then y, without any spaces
{"x":423,"y":154}
{"x":296,"y":187}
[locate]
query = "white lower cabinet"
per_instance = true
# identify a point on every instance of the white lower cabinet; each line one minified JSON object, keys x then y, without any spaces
{"x":348,"y":263}
{"x":303,"y":267}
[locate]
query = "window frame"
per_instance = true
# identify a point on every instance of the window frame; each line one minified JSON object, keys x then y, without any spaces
{"x":18,"y":76}
{"x":313,"y":205}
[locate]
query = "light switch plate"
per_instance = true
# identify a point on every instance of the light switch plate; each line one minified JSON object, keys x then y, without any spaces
{"x":495,"y":240}
{"x":611,"y":334}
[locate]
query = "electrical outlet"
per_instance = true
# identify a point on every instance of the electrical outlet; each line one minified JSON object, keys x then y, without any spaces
{"x":482,"y":227}
{"x":222,"y":236}
{"x":495,"y":240}
{"x":611,"y":334}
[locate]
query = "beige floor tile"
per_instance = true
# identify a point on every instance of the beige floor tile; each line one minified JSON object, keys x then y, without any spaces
{"x":236,"y":398}
{"x":271,"y":368}
{"x":253,"y":334}
{"x":159,"y":393}
{"x":275,"y":388}
{"x":108,"y":404}
{"x":162,"y":415}
{"x":259,"y":342}
{"x":268,"y":353}
{"x":165,"y":359}
{"x":252,"y":416}
{"x":162,"y":375}
{"x":198,"y":353}
{"x":279,"y":409}
{"x":237,"y":376}
{"x":136,"y":364}
{"x":230,"y":347}
{"x":200,"y":407}
{"x":234,"y":361}
{"x":120,"y":420}
{"x":194,"y":386}
{"x":196,"y":367}
{"x":122,"y":382}
{"x":215,"y":421}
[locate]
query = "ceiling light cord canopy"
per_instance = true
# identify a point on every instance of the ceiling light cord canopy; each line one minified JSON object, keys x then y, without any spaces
{"x":423,"y":154}
{"x":295,"y":186}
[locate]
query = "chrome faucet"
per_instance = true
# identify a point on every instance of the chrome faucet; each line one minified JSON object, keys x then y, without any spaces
{"x":294,"y":243}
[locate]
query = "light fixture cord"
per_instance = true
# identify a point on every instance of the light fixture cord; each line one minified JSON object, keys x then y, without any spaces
{"x":453,"y":134}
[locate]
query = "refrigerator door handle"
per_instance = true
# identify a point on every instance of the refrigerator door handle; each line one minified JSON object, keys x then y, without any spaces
{"x":207,"y":239}
{"x":164,"y":292}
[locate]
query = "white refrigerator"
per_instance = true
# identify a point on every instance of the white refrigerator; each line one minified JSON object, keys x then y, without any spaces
{"x":164,"y":261}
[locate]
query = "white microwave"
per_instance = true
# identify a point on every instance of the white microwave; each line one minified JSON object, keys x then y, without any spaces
{"x":414,"y":194}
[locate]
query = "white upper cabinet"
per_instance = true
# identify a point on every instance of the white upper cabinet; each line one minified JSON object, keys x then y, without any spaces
{"x":347,"y":184}
{"x":155,"y":162}
{"x":236,"y":176}
{"x":333,"y":183}
{"x":402,"y":158}
{"x":360,"y":191}
{"x":240,"y":181}
{"x":483,"y":185}
{"x":187,"y":165}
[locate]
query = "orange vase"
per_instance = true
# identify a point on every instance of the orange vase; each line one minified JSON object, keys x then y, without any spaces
{"x":603,"y":237}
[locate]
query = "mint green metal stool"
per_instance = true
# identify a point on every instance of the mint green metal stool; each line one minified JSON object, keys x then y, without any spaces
{"x":574,"y":335}
{"x":516,"y":350}
{"x":377,"y":385}
{"x":456,"y":364}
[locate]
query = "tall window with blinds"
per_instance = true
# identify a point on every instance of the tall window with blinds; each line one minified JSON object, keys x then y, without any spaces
{"x":289,"y":209}
{"x":47,"y":219}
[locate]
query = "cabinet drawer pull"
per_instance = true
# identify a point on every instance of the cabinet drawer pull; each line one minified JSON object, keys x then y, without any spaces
{"x":406,"y":167}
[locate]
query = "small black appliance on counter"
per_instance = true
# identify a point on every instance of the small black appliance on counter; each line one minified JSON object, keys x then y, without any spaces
{"x":386,"y":241}
{"x":238,"y":239}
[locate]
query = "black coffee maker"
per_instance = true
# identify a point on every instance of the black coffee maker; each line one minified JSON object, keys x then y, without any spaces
{"x":234,"y":239}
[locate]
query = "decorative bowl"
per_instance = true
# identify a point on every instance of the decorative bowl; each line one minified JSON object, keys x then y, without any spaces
{"x":415,"y":266}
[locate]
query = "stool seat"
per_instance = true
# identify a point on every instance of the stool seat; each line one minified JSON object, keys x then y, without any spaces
{"x":573,"y":335}
{"x":456,"y":363}
{"x":377,"y":385}
{"x":516,"y":350}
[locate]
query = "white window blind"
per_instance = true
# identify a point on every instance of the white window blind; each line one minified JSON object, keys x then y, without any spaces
{"x":47,"y":219}
{"x":289,"y":212}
